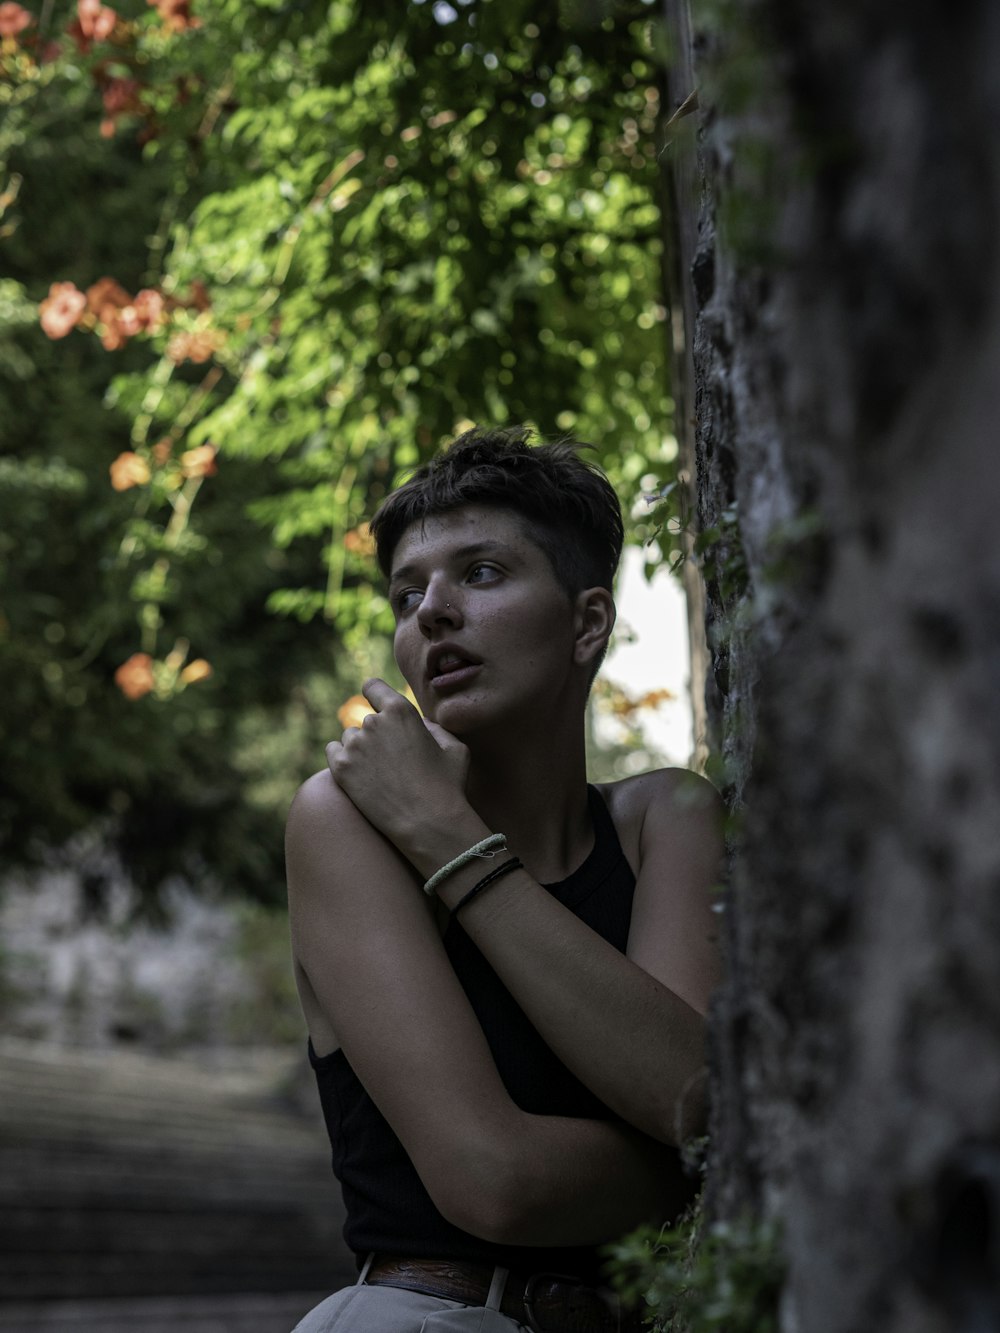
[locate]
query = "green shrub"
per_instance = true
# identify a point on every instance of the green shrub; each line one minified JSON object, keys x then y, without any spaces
{"x":702,"y":1277}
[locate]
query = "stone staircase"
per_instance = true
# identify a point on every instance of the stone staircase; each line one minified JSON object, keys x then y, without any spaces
{"x":192,"y":1314}
{"x":155,"y":1193}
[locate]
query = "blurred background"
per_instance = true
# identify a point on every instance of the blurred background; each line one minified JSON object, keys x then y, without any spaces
{"x":257,"y":261}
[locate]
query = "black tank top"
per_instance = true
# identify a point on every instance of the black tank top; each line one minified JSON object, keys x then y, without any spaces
{"x":388,"y":1209}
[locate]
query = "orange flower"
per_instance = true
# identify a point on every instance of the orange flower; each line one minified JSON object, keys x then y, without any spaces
{"x":61,"y":310}
{"x":197,"y":347}
{"x":196,"y":299}
{"x":121,"y":97}
{"x":197,"y":670}
{"x":150,"y":308}
{"x":113,"y":308}
{"x":353,"y":711}
{"x":13,"y":19}
{"x":199,"y":462}
{"x":359,"y":540}
{"x":135,"y":677}
{"x":163,"y":449}
{"x":96,"y":21}
{"x":176,"y":14}
{"x":199,"y":298}
{"x":106,"y":296}
{"x":115,"y":335}
{"x":129,"y":470}
{"x":653,"y":698}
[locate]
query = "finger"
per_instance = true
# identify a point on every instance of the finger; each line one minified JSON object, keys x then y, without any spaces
{"x":381,"y":695}
{"x":333,"y":751}
{"x":444,"y":738}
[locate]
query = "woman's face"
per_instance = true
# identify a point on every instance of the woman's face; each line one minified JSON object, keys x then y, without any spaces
{"x":484,"y":631}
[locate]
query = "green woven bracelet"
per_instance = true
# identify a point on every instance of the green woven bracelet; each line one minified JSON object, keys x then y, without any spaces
{"x":496,"y":842}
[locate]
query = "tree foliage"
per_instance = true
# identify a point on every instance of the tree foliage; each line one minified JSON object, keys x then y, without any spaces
{"x":281,"y":251}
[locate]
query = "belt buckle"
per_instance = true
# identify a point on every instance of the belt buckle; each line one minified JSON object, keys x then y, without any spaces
{"x":529,"y":1296}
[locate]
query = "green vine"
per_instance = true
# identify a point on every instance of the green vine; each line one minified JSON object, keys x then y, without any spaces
{"x":700,"y":1276}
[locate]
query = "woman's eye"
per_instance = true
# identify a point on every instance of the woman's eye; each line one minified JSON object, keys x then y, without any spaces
{"x":407,"y":599}
{"x":483,"y":573}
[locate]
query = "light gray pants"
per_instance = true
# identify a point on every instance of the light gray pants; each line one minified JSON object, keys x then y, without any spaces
{"x":364,"y":1309}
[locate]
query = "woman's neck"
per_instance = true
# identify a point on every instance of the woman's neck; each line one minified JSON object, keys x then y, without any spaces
{"x":535,"y":792}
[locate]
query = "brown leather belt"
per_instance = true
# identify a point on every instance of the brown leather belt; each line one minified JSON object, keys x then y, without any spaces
{"x":543,"y":1302}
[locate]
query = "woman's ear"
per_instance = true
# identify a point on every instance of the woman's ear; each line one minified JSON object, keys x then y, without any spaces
{"x":594,"y":611}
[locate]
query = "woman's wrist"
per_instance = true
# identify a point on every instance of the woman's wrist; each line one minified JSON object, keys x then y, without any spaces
{"x":431,"y":844}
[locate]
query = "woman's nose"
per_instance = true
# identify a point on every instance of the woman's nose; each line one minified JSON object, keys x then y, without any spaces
{"x":439,"y":606}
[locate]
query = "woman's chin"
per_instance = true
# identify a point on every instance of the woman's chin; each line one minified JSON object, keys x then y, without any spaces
{"x":461,"y":716}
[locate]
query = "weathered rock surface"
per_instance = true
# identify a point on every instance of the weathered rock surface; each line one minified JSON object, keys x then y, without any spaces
{"x":847,"y":376}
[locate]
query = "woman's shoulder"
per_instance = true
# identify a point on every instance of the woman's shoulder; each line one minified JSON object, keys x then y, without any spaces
{"x":665,"y":802}
{"x":677,"y":788}
{"x":320,"y":806}
{"x":328,"y":841}
{"x":318,"y":795}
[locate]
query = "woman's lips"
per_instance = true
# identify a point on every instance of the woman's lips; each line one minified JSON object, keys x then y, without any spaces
{"x":455,"y":676}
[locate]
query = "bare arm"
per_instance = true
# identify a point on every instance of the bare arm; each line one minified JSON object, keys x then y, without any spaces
{"x":372,"y":960}
{"x":630,"y":1027}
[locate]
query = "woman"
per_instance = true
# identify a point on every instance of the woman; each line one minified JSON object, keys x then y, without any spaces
{"x":509,"y":1059}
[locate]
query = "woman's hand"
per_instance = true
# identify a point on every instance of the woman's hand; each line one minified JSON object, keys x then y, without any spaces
{"x":399,"y":769}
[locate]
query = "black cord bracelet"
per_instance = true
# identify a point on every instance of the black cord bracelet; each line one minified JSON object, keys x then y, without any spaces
{"x":514,"y":863}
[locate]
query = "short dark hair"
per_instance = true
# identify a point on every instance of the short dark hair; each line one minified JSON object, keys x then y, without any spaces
{"x":569,"y":507}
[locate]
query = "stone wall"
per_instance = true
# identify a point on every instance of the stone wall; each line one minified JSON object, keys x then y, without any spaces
{"x":90,"y":971}
{"x":845,"y":333}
